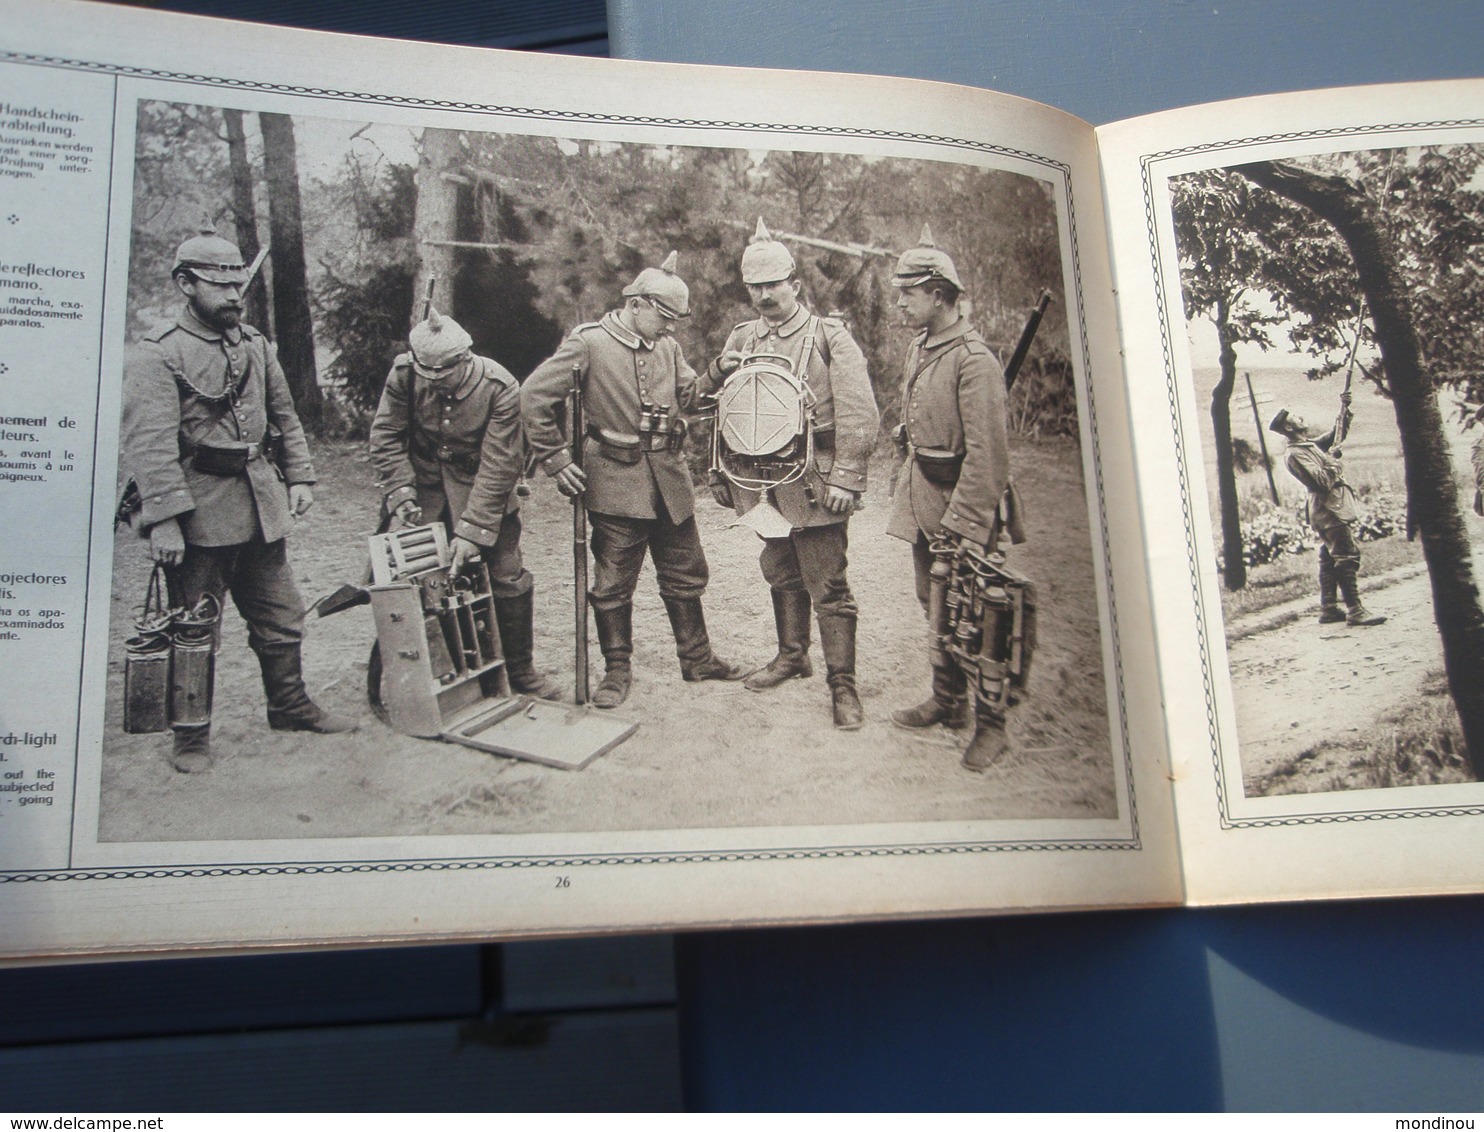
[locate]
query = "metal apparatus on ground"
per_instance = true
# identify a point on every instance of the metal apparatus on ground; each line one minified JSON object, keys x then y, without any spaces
{"x":983,"y":617}
{"x":764,"y":433}
{"x":443,"y":668}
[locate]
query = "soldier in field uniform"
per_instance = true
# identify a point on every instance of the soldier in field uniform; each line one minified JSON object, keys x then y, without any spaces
{"x":200,"y":394}
{"x":957,"y":468}
{"x":446,"y":442}
{"x":1314,"y":460}
{"x":808,"y":565}
{"x":633,"y":481}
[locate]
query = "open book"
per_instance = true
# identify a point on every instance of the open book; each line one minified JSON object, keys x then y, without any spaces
{"x":1203,"y":718}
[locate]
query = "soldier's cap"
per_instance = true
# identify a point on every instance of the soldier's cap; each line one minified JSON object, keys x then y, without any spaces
{"x":925,"y":263}
{"x":437,"y":342}
{"x":1279,"y":423}
{"x":765,"y":260}
{"x":663,"y":288}
{"x":212,"y":258}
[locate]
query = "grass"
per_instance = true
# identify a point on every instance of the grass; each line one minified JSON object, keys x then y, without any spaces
{"x":1297,"y":575}
{"x":1418,"y":745}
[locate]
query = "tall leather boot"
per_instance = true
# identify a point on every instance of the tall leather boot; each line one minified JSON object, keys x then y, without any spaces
{"x":837,"y":642}
{"x":1350,"y":587}
{"x":693,"y":643}
{"x":1329,"y":605}
{"x":192,"y":753}
{"x":289,"y":705}
{"x":513,"y":617}
{"x":791,"y":618}
{"x":616,"y":640}
{"x":989,"y":741}
{"x":948,"y":705}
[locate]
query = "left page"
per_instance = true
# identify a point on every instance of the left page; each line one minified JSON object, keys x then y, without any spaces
{"x":439,"y":240}
{"x":1298,"y":289}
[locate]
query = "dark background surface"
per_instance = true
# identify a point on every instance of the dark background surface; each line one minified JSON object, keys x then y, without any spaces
{"x":1362,"y":1006}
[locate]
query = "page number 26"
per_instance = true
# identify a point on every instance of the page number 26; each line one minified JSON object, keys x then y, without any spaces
{"x":563,"y":882}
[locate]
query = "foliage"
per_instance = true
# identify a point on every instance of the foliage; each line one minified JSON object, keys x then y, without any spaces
{"x":1272,"y":532}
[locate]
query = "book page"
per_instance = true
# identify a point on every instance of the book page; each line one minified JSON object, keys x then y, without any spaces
{"x":212,"y":227}
{"x":1295,"y":279}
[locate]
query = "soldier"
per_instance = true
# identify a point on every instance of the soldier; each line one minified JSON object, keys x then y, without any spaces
{"x":447,"y":446}
{"x":808,"y":565}
{"x":1314,"y":460}
{"x":957,"y":468}
{"x":633,"y":480}
{"x":202,"y":394}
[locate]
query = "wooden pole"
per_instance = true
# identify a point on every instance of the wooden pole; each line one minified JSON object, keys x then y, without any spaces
{"x":1262,"y":440}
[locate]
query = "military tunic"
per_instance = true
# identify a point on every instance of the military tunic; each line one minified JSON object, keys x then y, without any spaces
{"x":846,"y":419}
{"x":186,"y":385}
{"x":639,"y":501}
{"x":1331,"y":500}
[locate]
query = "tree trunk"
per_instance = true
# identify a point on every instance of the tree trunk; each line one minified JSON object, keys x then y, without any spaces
{"x":245,"y":214}
{"x":1432,"y":497}
{"x":1234,"y":566}
{"x":291,"y":318}
{"x":435,"y":221}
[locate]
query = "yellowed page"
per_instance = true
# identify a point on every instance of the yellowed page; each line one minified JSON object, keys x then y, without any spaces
{"x":725,"y":807}
{"x":1311,"y":760}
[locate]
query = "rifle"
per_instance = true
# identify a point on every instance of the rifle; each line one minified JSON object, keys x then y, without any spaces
{"x":428,"y":298}
{"x":1023,"y":347}
{"x":576,"y":426}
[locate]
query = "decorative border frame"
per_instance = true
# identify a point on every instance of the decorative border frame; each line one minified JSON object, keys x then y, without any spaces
{"x":1160,"y":243}
{"x":301,"y":868}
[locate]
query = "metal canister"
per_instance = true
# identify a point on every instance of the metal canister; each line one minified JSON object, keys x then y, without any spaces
{"x":147,"y":683}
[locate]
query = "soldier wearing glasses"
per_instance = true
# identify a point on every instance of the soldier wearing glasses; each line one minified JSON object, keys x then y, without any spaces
{"x":633,"y":481}
{"x":447,"y":447}
{"x":200,"y":395}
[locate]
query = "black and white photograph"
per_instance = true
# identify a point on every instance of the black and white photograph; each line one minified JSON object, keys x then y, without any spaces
{"x":1331,"y":304}
{"x":498,"y":483}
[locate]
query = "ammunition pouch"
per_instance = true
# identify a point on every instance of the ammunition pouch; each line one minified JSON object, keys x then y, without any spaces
{"x":938,"y":467}
{"x":221,"y":460}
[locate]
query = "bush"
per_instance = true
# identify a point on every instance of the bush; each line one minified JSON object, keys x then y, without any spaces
{"x":1272,"y":532}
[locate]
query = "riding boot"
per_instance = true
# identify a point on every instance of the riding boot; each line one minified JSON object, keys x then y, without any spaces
{"x":616,"y":640}
{"x":693,"y":644}
{"x":1329,"y":606}
{"x":989,"y":741}
{"x":947,"y":705}
{"x":513,"y":616}
{"x":791,"y":618}
{"x":289,"y":705}
{"x":1357,"y":614}
{"x":837,"y":642}
{"x":192,"y":752}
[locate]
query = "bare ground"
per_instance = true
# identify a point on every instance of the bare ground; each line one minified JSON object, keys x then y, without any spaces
{"x":1309,"y":697}
{"x":705,"y":755}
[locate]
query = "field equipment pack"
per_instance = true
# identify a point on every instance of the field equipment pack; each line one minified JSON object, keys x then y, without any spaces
{"x":442,"y":665}
{"x":983,"y":618}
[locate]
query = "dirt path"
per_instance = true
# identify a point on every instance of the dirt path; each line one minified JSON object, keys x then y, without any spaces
{"x":706,"y":755}
{"x":1302,"y":682}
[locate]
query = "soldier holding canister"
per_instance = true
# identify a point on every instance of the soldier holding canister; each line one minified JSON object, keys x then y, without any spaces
{"x":200,"y":395}
{"x":956,"y":472}
{"x":446,"y":442}
{"x":634,"y":482}
{"x":807,"y":565}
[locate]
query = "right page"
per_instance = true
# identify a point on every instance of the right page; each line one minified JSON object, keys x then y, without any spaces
{"x":1299,"y":297}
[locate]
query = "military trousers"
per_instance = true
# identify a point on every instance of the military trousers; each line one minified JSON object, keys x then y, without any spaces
{"x":619,"y":545}
{"x":258,"y":577}
{"x":812,"y":560}
{"x":507,"y":569}
{"x":1338,"y":544}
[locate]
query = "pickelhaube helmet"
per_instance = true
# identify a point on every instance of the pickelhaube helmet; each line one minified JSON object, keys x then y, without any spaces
{"x":212,"y":258}
{"x":437,"y":342}
{"x":765,"y":260}
{"x":661,"y":286}
{"x":925,"y":263}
